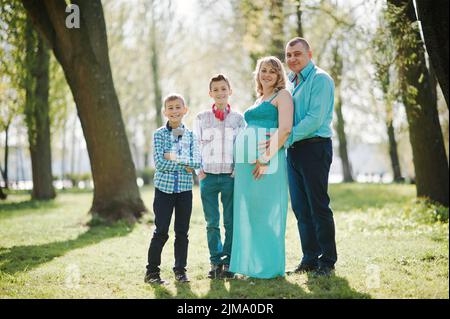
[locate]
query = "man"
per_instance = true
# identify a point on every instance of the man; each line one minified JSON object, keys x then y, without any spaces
{"x":309,"y":156}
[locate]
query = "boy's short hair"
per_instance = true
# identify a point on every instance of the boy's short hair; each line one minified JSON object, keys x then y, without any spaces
{"x":217,"y":78}
{"x":296,"y":40}
{"x":173,"y":97}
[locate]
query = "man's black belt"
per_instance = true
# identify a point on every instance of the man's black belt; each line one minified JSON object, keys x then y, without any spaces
{"x":310,"y":140}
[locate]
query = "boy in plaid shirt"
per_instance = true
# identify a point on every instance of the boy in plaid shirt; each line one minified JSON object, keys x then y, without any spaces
{"x":176,"y":155}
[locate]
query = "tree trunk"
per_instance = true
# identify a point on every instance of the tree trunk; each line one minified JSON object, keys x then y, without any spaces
{"x":73,"y":149}
{"x":419,"y":98}
{"x":299,"y":18}
{"x":276,"y":18}
{"x":37,"y":115}
{"x":434,"y":17}
{"x":64,"y":149}
{"x":2,"y":195}
{"x":4,"y":171}
{"x":393,"y":154}
{"x":157,"y":97}
{"x":343,"y":154}
{"x":336,"y":73}
{"x":83,"y":54}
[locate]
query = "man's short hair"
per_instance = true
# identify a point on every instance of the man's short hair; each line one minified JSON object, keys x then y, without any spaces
{"x":173,"y":97}
{"x":217,"y":78}
{"x":297,"y":40}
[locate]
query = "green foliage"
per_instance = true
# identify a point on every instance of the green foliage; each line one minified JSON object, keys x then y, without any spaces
{"x":408,"y":46}
{"x":425,"y":212}
{"x":384,"y":56}
{"x":262,"y":22}
{"x":60,"y":96}
{"x":253,"y":20}
{"x":12,"y":58}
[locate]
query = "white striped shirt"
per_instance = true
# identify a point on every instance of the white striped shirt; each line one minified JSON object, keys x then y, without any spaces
{"x":216,"y":140}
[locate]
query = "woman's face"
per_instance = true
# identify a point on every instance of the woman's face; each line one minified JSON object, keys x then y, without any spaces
{"x":268,"y":76}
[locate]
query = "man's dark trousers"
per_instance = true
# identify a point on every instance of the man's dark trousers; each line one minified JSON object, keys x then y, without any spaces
{"x":163,"y":207}
{"x":308,"y":170}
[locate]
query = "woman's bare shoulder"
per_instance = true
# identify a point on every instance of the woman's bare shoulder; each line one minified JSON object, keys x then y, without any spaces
{"x":284,"y":96}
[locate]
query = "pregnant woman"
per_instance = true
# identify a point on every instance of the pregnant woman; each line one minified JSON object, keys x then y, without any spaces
{"x":261,"y":186}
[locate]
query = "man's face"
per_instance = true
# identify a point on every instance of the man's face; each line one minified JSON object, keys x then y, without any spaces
{"x":297,"y":57}
{"x":174,"y":111}
{"x":220,"y":92}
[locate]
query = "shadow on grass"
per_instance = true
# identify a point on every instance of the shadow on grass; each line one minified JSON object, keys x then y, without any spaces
{"x":333,"y":287}
{"x":279,"y":288}
{"x":24,"y":258}
{"x":26,"y":207}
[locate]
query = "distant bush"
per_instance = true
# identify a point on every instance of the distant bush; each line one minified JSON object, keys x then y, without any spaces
{"x":147,"y":175}
{"x":75,"y":179}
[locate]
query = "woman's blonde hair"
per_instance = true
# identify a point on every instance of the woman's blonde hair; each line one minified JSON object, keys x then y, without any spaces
{"x":275,"y":63}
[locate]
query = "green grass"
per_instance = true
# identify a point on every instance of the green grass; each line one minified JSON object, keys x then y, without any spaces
{"x":389,"y":246}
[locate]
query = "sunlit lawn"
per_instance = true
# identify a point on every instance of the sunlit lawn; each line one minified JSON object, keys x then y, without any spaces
{"x":389,"y":246}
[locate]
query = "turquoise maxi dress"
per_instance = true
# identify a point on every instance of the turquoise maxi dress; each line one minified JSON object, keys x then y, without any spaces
{"x":260,"y":206}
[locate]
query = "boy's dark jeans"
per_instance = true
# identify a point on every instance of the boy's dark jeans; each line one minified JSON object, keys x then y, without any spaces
{"x":163,"y":207}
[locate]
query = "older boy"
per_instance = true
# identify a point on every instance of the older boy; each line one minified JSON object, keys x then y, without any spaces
{"x":216,"y":130}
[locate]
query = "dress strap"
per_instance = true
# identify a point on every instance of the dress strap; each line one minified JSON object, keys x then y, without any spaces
{"x":273,"y":96}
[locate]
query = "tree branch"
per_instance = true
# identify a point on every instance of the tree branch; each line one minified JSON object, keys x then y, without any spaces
{"x":40,"y":18}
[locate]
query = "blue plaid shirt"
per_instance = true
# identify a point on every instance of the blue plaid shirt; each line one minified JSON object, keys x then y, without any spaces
{"x":171,"y":176}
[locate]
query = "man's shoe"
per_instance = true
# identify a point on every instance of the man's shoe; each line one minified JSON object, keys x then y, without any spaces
{"x":303,"y":268}
{"x":153,"y":278}
{"x":324,"y":271}
{"x":226,"y":273}
{"x":180,"y":276}
{"x":215,"y":272}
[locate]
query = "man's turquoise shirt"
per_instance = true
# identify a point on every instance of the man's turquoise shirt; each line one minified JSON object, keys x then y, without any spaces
{"x":313,"y":104}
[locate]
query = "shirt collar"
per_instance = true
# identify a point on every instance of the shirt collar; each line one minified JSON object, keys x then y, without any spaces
{"x":303,"y":73}
{"x":170,"y":128}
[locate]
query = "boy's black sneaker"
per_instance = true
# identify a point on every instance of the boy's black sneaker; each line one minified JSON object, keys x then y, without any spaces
{"x":215,"y":272}
{"x":180,"y":276}
{"x":153,"y":278}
